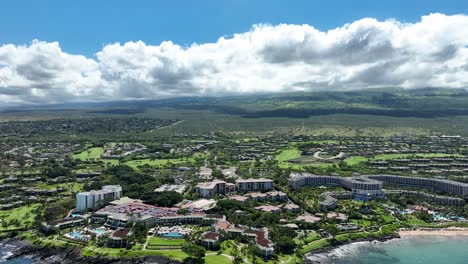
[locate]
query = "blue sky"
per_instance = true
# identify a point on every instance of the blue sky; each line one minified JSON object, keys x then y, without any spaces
{"x":85,"y":26}
{"x":82,"y":50}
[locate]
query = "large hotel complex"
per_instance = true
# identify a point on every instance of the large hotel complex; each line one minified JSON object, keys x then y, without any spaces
{"x":370,"y":186}
{"x":361,"y":187}
{"x":97,"y":199}
{"x":210,"y":189}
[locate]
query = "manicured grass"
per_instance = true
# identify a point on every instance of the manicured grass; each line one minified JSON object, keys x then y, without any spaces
{"x":315,"y":245}
{"x":217,"y":259}
{"x":351,"y":161}
{"x":90,"y":154}
{"x":422,"y":155}
{"x":160,"y":162}
{"x":23,"y":214}
{"x":288,"y":154}
{"x":156,"y":162}
{"x":173,"y":254}
{"x":163,"y":241}
{"x":118,"y":252}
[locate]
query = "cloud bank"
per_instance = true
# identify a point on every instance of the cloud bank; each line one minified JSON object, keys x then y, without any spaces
{"x":364,"y":54}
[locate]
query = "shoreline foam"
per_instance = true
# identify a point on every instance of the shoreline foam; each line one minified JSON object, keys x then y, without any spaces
{"x":328,"y":254}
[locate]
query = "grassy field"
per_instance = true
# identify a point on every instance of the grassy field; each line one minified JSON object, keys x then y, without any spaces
{"x":217,"y":259}
{"x":288,"y":154}
{"x":315,"y":245}
{"x":90,"y":154}
{"x":157,"y":162}
{"x":355,"y":160}
{"x":163,"y":241}
{"x":117,"y":252}
{"x":23,"y":214}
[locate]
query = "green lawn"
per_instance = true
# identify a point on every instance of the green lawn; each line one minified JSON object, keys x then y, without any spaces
{"x":217,"y":259}
{"x":90,"y":154}
{"x":288,"y":154}
{"x":156,"y":162}
{"x":23,"y":214}
{"x":351,"y":161}
{"x":118,"y":252}
{"x":163,"y":241}
{"x":315,"y":245}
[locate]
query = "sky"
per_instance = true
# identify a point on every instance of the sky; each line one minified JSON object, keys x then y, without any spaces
{"x":63,"y":50}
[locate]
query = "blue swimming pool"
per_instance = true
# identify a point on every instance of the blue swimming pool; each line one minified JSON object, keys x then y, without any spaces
{"x":76,"y":234}
{"x":99,"y":231}
{"x":173,"y":235}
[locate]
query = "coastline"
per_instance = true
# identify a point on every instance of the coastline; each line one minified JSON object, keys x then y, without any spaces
{"x":323,"y":255}
{"x":450,"y":231}
{"x":38,"y":254}
{"x":318,"y":256}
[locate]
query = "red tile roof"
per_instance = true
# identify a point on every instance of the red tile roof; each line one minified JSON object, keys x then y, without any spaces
{"x":260,"y":237}
{"x":211,"y":235}
{"x":121,"y":232}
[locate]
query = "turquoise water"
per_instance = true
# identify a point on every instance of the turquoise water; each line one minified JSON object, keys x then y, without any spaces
{"x":173,"y":235}
{"x":99,"y":231}
{"x":410,"y":250}
{"x":76,"y":234}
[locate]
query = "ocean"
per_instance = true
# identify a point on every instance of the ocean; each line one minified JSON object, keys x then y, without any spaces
{"x":408,"y":250}
{"x":6,"y":251}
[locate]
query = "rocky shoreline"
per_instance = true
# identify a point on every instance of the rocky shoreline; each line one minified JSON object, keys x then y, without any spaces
{"x":59,"y":255}
{"x":308,"y":258}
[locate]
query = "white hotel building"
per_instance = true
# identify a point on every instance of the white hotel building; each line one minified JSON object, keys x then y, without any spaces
{"x":97,"y":199}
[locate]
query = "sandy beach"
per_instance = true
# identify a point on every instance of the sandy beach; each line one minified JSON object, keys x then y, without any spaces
{"x":453,"y":231}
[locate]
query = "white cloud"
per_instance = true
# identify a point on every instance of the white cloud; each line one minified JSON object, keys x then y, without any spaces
{"x":364,"y":54}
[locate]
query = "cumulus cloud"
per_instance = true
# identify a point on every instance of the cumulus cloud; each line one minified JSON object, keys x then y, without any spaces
{"x":364,"y":54}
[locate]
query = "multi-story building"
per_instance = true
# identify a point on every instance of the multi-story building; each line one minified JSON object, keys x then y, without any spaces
{"x":97,"y":199}
{"x":252,"y":185}
{"x":440,"y":185}
{"x":437,"y":199}
{"x":117,"y":216}
{"x":210,"y":189}
{"x":362,"y":188}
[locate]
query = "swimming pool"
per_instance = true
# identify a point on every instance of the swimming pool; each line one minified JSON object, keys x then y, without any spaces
{"x":76,"y":235}
{"x":99,"y":231}
{"x":173,"y":235}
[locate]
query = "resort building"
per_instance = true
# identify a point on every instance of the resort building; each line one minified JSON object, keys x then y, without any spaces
{"x":362,"y":188}
{"x":210,"y":189}
{"x":119,"y":215}
{"x":277,"y":196}
{"x":269,"y":209}
{"x":327,"y":202}
{"x":210,"y":240}
{"x":260,"y":236}
{"x":200,"y":205}
{"x":97,"y":199}
{"x":119,"y":238}
{"x":179,"y":188}
{"x":68,"y":222}
{"x":292,"y":208}
{"x":437,"y":199}
{"x":254,"y":185}
{"x":440,"y":185}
